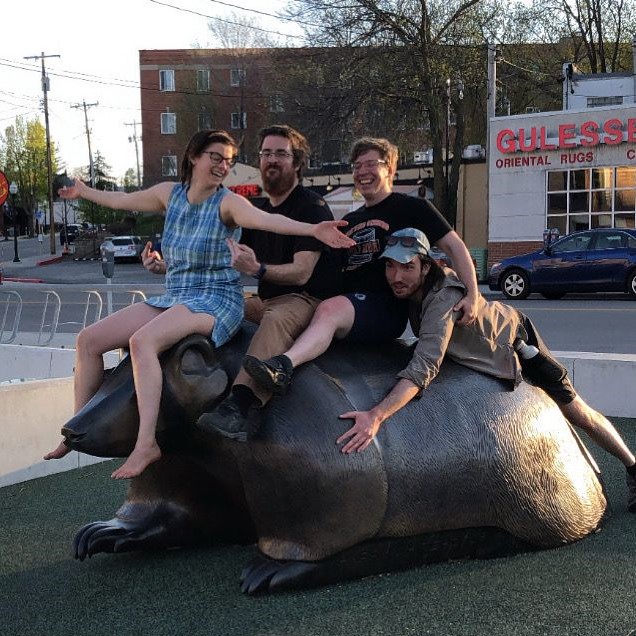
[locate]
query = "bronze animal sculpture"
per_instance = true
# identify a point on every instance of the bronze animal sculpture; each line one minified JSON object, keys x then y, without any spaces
{"x":471,"y":469}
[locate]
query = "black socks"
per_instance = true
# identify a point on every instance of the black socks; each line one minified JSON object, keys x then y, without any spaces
{"x":244,"y":397}
{"x":632,"y":470}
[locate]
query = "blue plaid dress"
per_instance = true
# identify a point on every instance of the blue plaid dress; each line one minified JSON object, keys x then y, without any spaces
{"x":199,"y":274}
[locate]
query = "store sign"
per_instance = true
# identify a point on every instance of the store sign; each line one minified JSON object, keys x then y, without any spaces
{"x":247,"y":189}
{"x":567,"y":136}
{"x":4,"y":187}
{"x":564,"y":144}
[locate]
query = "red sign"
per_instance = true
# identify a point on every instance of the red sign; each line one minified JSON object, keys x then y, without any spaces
{"x":567,"y":136}
{"x":4,"y":187}
{"x":247,"y":189}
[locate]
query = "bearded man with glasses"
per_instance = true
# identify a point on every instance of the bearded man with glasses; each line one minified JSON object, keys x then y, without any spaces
{"x":294,"y":274}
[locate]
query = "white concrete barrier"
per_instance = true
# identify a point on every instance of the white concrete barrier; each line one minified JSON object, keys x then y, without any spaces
{"x":606,"y":381}
{"x":31,"y":416}
{"x":32,"y":413}
{"x":36,"y":363}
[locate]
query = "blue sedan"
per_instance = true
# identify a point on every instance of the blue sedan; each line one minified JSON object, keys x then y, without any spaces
{"x":601,"y":260}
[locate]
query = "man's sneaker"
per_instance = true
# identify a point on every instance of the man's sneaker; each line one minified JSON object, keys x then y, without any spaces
{"x":631,"y":496}
{"x":270,"y":374}
{"x":227,"y":420}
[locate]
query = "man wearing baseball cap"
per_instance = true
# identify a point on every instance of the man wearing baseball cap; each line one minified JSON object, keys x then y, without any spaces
{"x":501,"y":342}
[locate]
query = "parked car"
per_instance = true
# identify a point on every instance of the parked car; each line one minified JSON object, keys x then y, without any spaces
{"x":601,"y":260}
{"x":127,"y":247}
{"x":73,"y":230}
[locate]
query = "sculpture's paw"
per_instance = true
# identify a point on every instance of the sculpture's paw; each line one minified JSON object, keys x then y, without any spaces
{"x":263,"y":574}
{"x":116,"y":536}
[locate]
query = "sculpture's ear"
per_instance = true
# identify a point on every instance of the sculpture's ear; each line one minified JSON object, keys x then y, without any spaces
{"x":193,"y":375}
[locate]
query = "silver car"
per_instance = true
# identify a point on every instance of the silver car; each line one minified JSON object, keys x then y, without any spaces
{"x":127,"y":247}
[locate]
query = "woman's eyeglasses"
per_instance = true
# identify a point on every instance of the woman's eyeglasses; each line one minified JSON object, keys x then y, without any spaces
{"x":217,"y":159}
{"x":406,"y":241}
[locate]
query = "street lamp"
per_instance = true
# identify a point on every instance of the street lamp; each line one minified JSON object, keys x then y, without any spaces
{"x":13,"y":189}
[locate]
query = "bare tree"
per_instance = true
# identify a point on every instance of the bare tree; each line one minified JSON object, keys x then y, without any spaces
{"x":406,"y":51}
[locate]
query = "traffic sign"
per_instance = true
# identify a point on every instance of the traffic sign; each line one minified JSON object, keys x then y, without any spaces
{"x":4,"y":187}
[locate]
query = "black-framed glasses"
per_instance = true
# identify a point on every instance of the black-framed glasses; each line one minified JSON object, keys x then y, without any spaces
{"x":369,"y":164}
{"x":217,"y":159}
{"x":281,"y":155}
{"x":406,"y":241}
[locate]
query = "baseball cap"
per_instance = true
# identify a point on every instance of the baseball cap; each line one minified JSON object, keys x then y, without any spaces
{"x":403,"y":245}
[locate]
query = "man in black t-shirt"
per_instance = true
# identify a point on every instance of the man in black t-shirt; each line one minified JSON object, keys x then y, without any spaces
{"x":294,"y":274}
{"x":368,"y":312}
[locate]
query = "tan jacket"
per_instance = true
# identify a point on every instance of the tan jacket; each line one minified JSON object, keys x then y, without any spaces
{"x":485,"y":345}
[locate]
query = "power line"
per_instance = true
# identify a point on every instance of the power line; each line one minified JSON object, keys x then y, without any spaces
{"x":269,"y":15}
{"x":527,"y":70}
{"x":214,"y":17}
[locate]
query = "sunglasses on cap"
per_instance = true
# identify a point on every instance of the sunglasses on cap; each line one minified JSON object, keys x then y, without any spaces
{"x":406,"y":241}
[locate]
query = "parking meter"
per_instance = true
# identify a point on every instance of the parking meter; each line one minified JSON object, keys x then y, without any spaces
{"x":549,"y":236}
{"x":107,"y":253}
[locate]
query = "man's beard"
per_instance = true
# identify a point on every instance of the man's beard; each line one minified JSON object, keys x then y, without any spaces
{"x":279,"y":182}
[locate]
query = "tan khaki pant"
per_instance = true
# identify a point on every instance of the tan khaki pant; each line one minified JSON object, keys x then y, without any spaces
{"x":280,"y":321}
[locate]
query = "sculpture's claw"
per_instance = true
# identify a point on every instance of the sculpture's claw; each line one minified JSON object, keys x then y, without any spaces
{"x":258,"y":574}
{"x":98,"y":536}
{"x":295,"y":574}
{"x":263,"y":574}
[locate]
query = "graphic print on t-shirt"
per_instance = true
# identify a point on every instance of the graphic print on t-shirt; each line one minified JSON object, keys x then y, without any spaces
{"x":367,"y":236}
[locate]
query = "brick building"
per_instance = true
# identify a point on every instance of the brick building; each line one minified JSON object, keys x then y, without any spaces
{"x":183,"y":91}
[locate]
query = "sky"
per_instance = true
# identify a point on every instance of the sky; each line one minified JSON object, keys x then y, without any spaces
{"x":99,"y":63}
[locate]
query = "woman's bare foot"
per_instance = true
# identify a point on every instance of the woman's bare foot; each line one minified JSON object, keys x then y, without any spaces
{"x":140,"y":458}
{"x":59,"y":452}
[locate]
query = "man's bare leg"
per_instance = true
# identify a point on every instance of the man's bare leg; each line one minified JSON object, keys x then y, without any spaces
{"x":599,"y":428}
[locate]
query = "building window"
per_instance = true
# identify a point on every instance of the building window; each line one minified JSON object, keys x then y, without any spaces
{"x":168,"y":123}
{"x":166,"y":80}
{"x":596,"y":102}
{"x":236,"y":121}
{"x":169,"y":166}
{"x":203,"y":80}
{"x":276,"y":104}
{"x":236,"y":75}
{"x":205,"y":121}
{"x":588,"y":198}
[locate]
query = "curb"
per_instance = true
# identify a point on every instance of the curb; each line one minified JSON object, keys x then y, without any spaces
{"x":50,"y":260}
{"x":13,"y":279}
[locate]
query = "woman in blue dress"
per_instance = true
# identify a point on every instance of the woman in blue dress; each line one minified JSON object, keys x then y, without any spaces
{"x":203,"y":291}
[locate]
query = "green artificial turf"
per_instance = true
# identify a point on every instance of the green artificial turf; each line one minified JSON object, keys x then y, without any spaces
{"x":586,"y":589}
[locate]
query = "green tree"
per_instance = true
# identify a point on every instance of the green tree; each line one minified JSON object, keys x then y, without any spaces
{"x":97,"y":214}
{"x":129,"y":181}
{"x":23,"y":154}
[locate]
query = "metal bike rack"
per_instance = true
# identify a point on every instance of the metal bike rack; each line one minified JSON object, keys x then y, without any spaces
{"x":137,"y":293}
{"x":56,"y":301}
{"x":9,"y":295}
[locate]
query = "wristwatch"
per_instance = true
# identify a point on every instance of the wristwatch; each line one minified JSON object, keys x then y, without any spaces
{"x":261,"y":272}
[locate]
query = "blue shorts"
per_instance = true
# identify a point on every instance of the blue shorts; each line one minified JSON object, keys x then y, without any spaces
{"x":378,"y":316}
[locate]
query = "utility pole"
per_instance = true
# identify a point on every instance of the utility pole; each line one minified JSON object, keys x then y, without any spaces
{"x":91,"y":165}
{"x":134,"y":139}
{"x":490,"y":114}
{"x":49,"y":167}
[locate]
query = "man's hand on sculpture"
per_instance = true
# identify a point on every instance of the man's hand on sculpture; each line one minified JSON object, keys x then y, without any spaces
{"x":361,"y":434}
